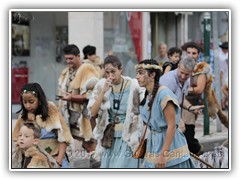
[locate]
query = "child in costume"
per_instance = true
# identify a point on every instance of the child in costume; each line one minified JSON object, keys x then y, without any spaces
{"x":55,"y":134}
{"x":27,"y":153}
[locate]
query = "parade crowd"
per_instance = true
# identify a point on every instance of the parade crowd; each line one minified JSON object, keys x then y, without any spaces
{"x":106,"y":107}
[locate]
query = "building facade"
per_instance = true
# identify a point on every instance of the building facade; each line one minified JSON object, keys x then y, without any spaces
{"x":129,"y":35}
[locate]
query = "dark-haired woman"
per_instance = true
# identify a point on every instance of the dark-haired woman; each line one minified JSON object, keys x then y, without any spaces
{"x":55,"y":134}
{"x":166,"y":145}
{"x":114,"y":103}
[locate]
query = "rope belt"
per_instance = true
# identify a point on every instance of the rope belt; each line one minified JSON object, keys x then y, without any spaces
{"x":159,"y":130}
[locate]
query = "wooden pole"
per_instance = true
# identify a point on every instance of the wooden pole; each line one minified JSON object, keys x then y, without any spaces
{"x":199,"y":159}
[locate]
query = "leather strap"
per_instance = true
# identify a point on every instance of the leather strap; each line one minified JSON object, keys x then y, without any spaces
{"x":145,"y":131}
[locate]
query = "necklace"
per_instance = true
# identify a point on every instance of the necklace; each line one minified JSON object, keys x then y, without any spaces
{"x":117,"y":87}
{"x":116,"y":102}
{"x":72,"y":74}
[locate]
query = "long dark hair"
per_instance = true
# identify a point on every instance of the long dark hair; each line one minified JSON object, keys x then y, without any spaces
{"x":156,"y":80}
{"x":37,"y":90}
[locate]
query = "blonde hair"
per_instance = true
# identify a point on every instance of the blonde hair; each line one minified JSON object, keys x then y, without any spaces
{"x":34,"y":126}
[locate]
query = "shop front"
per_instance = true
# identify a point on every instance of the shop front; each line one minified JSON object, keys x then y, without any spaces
{"x":123,"y":38}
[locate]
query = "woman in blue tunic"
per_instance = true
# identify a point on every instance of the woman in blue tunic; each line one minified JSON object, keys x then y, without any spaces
{"x":115,"y":103}
{"x":166,"y":145}
{"x":55,"y":134}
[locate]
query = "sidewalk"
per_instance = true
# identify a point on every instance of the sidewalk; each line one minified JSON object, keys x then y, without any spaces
{"x":80,"y":159}
{"x":214,"y":138}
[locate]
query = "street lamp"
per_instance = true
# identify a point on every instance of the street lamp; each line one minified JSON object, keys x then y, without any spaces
{"x":206,"y":32}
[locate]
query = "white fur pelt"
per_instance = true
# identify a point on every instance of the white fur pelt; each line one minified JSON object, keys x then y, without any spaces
{"x":133,"y":124}
{"x":218,"y":158}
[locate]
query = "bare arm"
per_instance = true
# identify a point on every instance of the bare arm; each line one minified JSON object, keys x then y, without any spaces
{"x":201,"y":83}
{"x":168,"y":68}
{"x":170,"y":116}
{"x":186,"y":103}
{"x":225,"y":90}
{"x":74,"y":97}
{"x":96,"y":105}
{"x":61,"y":152}
{"x":195,"y":109}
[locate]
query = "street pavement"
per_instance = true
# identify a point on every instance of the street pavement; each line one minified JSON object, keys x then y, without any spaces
{"x":214,"y":138}
{"x":79,"y":158}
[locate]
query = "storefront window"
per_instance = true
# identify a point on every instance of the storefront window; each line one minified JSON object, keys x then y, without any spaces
{"x":123,"y":38}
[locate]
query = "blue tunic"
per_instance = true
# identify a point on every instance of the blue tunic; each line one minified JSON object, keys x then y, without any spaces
{"x":178,"y":156}
{"x":120,"y":154}
{"x":52,"y":135}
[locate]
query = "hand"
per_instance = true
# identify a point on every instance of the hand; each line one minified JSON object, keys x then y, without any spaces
{"x":59,"y":163}
{"x":67,"y":96}
{"x":58,"y":97}
{"x":162,"y":161}
{"x":196,"y":109}
{"x":107,"y":85}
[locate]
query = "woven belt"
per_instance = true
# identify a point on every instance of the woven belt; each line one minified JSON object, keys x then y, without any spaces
{"x":160,"y":130}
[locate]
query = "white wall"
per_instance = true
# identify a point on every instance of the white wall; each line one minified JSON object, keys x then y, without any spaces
{"x":146,"y":36}
{"x":42,"y":64}
{"x":86,"y":28}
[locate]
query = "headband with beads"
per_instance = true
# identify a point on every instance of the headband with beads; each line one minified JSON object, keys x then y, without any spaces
{"x":26,"y":91}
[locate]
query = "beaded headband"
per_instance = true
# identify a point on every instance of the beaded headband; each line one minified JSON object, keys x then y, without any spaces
{"x":147,"y":66}
{"x":26,"y":91}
